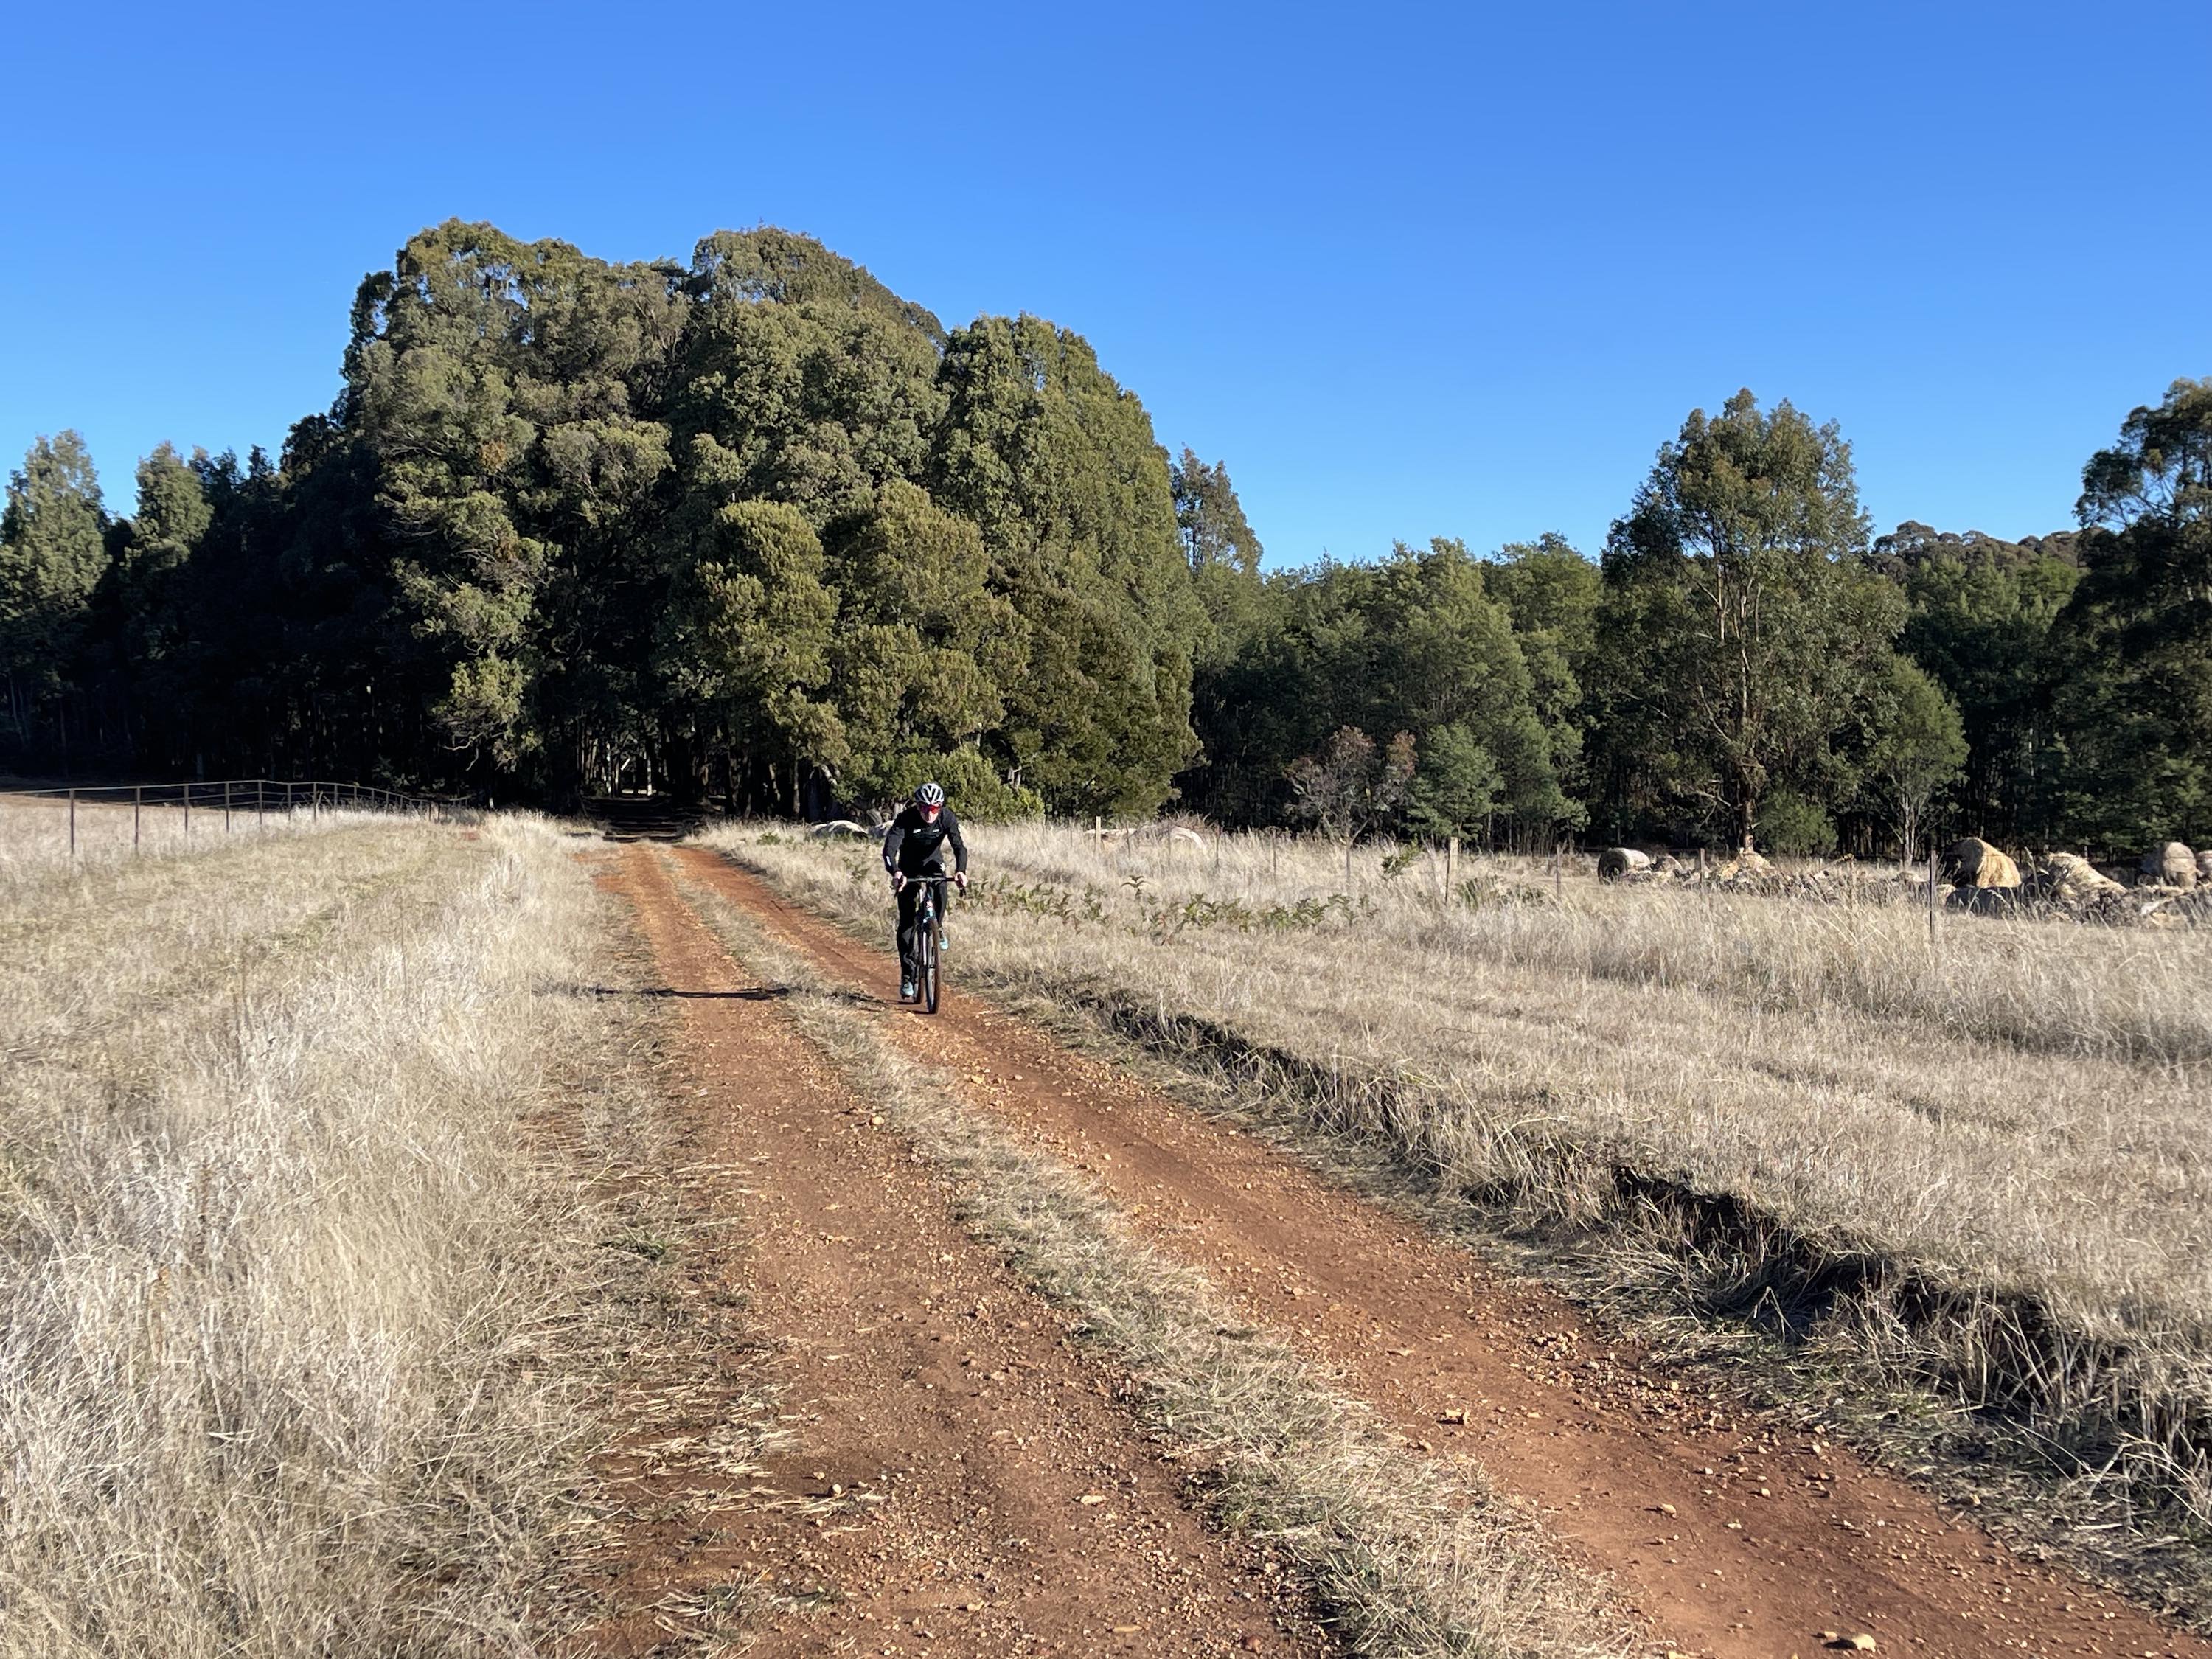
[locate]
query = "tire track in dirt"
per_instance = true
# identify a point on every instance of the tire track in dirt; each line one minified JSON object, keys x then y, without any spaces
{"x":1730,"y":1530}
{"x":962,"y":1482}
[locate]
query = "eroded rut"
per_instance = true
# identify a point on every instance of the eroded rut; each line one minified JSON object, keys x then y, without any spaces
{"x":961,"y":1479}
{"x":1734,"y":1534}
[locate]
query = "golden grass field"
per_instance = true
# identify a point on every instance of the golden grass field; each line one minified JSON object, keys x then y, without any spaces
{"x":291,"y":1312}
{"x":2009,"y":1132}
{"x":310,"y":1145}
{"x":35,"y":843}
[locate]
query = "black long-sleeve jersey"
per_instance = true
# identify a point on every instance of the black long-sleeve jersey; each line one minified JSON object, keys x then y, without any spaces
{"x":915,"y":845}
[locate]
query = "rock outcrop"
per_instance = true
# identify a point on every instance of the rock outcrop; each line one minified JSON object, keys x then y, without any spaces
{"x":1620,"y":863}
{"x":1974,"y":863}
{"x":2171,"y":866}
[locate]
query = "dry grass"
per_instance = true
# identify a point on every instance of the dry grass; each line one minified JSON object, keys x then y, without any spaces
{"x":1410,"y":1559}
{"x":36,"y":849}
{"x":1989,"y":1160}
{"x":287,"y":1301}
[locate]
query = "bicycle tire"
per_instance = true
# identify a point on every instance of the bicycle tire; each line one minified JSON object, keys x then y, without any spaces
{"x":928,"y":946}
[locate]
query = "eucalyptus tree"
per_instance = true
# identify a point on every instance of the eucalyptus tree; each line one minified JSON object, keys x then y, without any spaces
{"x":1740,"y":628}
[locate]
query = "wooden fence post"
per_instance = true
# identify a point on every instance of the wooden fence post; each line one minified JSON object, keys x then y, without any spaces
{"x":1451,"y":869}
{"x":188,"y":809}
{"x":138,"y":807}
{"x":72,"y":823}
{"x":1931,"y":900}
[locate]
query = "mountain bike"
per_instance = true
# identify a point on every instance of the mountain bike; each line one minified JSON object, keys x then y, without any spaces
{"x":928,"y":917}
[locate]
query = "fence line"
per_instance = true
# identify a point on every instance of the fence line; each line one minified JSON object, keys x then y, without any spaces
{"x":233,"y":796}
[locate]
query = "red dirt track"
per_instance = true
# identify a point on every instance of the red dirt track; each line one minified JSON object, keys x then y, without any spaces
{"x":947,"y":1435}
{"x":1733,"y":1534}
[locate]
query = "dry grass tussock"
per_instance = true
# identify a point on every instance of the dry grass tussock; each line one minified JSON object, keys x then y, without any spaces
{"x":1988,"y":1163}
{"x":1411,"y":1560}
{"x":286,"y":1298}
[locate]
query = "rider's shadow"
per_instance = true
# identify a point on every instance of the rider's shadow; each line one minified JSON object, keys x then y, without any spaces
{"x":755,"y":993}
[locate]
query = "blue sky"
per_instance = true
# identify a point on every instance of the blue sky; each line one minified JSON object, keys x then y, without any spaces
{"x":1409,"y":270}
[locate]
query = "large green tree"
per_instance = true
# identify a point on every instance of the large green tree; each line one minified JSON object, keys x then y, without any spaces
{"x":138,"y":653}
{"x":1979,"y":611}
{"x":52,"y":551}
{"x":504,"y":392}
{"x":923,"y":646}
{"x":1224,"y":561}
{"x":1739,"y":628}
{"x":1058,"y":467}
{"x":745,"y":641}
{"x":1550,"y":593}
{"x":2134,"y":701}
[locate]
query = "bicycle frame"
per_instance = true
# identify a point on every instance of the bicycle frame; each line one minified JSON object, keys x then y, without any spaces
{"x":928,"y":918}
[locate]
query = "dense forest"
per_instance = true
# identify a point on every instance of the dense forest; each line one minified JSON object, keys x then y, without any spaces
{"x":756,"y":531}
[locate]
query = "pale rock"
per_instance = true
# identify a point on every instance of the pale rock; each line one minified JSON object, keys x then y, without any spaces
{"x":1973,"y":862}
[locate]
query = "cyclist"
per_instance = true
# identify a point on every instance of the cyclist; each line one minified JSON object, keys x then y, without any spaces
{"x":914,"y":848}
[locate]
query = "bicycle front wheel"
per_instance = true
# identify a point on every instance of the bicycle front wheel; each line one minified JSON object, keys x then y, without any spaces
{"x":928,"y":943}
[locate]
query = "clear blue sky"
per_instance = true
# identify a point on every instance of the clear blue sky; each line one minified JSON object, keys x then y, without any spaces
{"x":1410,"y":270}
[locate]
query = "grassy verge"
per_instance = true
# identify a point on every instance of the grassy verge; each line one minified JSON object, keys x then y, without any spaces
{"x":36,"y":849}
{"x":302,"y":1339}
{"x":1409,"y":1558}
{"x":1755,"y":1109}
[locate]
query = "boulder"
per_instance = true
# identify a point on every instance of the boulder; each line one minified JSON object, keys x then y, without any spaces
{"x":2073,"y":880}
{"x":843,"y":829}
{"x":1974,"y":863}
{"x":1752,"y":862}
{"x":1666,"y":864}
{"x":1170,"y":835}
{"x":2204,"y":869}
{"x":1617,"y":862}
{"x":2170,"y":865}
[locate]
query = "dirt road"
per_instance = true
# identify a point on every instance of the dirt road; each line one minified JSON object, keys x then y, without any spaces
{"x":962,"y":1480}
{"x":1734,"y":1535}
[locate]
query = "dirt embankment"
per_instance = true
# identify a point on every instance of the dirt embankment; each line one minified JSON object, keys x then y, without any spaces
{"x":959,"y":1479}
{"x":1737,"y":1533}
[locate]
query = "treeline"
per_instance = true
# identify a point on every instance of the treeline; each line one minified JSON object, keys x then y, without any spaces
{"x":1745,"y":664}
{"x":753,"y":529}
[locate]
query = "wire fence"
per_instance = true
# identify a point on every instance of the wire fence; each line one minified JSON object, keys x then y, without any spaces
{"x":231,"y":801}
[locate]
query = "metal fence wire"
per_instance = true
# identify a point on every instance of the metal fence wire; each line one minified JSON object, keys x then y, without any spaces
{"x":232,"y":797}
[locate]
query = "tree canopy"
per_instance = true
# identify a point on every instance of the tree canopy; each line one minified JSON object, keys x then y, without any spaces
{"x":752,"y":528}
{"x":1740,"y":628}
{"x":2132,"y":648}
